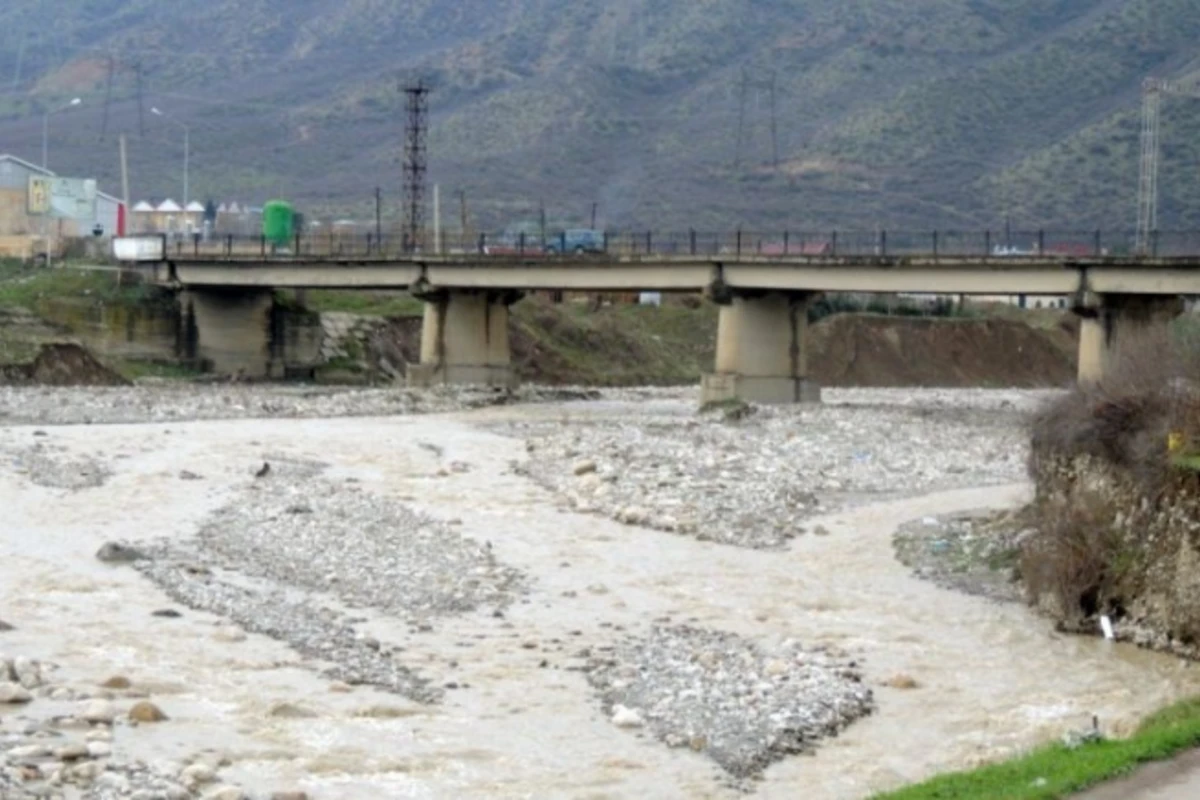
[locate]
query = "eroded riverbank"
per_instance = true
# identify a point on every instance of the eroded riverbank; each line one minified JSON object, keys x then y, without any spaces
{"x":515,"y":714}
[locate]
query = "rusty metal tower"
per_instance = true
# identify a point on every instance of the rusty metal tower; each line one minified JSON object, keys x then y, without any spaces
{"x":415,"y":163}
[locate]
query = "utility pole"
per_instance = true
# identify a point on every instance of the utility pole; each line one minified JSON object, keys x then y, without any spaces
{"x":378,"y":219}
{"x":462,"y":218}
{"x":758,"y":84}
{"x":594,"y":205}
{"x":437,"y":219}
{"x":124,"y":196}
{"x":415,"y":164}
{"x":741,"y":125}
{"x":108,"y":87}
{"x":774,"y":128}
{"x":137,"y":71}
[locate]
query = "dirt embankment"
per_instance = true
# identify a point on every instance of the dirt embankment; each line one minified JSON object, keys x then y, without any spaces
{"x":880,"y":351}
{"x":621,"y":346}
{"x":60,"y":365}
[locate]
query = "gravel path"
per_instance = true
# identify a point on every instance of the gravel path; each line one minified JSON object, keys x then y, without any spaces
{"x":753,"y":480}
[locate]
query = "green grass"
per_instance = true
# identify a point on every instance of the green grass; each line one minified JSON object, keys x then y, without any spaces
{"x":374,"y":304}
{"x":1057,"y":771}
{"x":26,"y":287}
{"x":618,"y":345}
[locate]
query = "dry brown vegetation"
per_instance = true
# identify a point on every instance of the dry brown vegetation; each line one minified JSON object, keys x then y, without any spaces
{"x":1118,"y":486}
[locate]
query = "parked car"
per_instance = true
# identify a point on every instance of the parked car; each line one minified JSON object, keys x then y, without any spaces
{"x":575,"y":240}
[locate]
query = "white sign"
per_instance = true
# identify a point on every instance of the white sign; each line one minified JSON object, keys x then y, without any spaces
{"x":139,"y":248}
{"x":73,"y":198}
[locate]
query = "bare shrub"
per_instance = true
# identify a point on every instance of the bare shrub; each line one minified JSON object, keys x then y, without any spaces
{"x":1070,"y":561}
{"x":1103,"y":471}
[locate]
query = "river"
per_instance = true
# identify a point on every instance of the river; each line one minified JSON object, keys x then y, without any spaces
{"x":993,"y":679}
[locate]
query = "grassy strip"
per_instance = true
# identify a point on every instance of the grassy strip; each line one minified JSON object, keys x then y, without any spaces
{"x":23,"y":286}
{"x":1057,"y":771}
{"x":372,"y":304}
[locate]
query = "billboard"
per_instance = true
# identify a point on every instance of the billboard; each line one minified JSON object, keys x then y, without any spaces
{"x":64,"y":198}
{"x":39,"y":195}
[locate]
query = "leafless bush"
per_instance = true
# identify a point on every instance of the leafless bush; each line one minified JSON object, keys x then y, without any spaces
{"x":1072,"y":560}
{"x":1101,"y":464}
{"x":1124,"y":419}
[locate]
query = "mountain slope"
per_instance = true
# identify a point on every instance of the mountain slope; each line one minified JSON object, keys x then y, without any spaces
{"x":900,"y":113}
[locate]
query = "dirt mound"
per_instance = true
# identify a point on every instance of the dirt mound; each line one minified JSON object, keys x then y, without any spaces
{"x":880,"y":351}
{"x":61,"y":365}
{"x":631,"y":345}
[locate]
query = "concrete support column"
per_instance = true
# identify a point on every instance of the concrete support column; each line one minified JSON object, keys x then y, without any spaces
{"x":1111,"y":323}
{"x":762,"y":351}
{"x":464,"y":339}
{"x":231,"y":331}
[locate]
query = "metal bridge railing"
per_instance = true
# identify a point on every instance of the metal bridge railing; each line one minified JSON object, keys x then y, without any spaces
{"x":336,"y":245}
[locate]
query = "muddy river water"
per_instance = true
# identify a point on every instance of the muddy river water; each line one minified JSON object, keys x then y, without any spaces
{"x":993,"y":679}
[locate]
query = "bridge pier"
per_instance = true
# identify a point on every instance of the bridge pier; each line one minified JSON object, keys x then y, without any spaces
{"x":762,"y":350}
{"x":464,"y":339}
{"x":231,"y":331}
{"x":1111,"y":322}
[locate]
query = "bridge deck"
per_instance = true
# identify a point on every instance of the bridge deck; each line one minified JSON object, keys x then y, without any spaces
{"x":892,"y":274}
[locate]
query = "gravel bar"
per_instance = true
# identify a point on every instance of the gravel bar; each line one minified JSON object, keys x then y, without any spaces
{"x":743,"y":703}
{"x":153,"y":402}
{"x":260,"y":560}
{"x":752,"y":478}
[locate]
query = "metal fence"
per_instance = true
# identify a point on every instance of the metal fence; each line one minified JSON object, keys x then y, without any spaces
{"x":737,"y":243}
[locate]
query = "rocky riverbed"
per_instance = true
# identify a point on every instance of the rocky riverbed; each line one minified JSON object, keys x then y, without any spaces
{"x":975,"y":552}
{"x":753,"y":478}
{"x":323,"y":601}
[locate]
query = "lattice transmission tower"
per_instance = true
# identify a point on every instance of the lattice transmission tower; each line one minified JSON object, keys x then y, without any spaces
{"x":415,"y":163}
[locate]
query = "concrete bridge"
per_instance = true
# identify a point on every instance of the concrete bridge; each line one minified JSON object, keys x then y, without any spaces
{"x":762,"y":347}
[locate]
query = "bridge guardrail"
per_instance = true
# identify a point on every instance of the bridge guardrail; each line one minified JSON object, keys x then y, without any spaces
{"x":335,"y":245}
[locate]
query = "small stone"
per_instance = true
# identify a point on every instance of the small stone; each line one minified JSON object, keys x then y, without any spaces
{"x":71,"y":752}
{"x":28,"y":751}
{"x":225,"y":793}
{"x":86,"y":772}
{"x":14,"y":694}
{"x":230,"y":635}
{"x":820,"y":530}
{"x":99,"y":711}
{"x":27,"y":672}
{"x":698,"y":743}
{"x":290,"y":711}
{"x":905,"y":682}
{"x":290,"y":796}
{"x":119,"y":682}
{"x":145,"y":711}
{"x":775,"y":668}
{"x":99,"y":749}
{"x":196,"y":775}
{"x":624,"y":717}
{"x":5,"y":627}
{"x":187,"y":475}
{"x":585,"y":467}
{"x":166,"y":613}
{"x":338,"y":687}
{"x":118,"y":553}
{"x":98,"y":735}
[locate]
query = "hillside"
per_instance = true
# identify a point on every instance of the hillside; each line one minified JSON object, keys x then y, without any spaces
{"x":902,"y":113}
